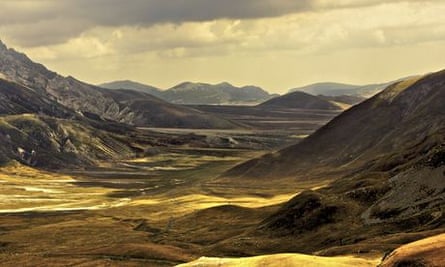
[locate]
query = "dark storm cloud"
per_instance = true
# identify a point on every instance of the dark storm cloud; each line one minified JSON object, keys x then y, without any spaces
{"x":43,"y":22}
{"x":38,"y":22}
{"x":120,"y":12}
{"x":116,"y":12}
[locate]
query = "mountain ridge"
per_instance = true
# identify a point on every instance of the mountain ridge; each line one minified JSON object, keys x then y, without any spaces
{"x":80,"y":96}
{"x":128,"y":84}
{"x":338,"y":89}
{"x":197,"y":93}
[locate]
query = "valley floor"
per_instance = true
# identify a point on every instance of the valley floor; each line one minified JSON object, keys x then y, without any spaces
{"x":157,"y":210}
{"x":161,"y":210}
{"x":169,"y":207}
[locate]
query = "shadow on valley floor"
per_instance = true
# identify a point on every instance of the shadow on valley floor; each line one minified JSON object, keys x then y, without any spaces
{"x":133,"y":214}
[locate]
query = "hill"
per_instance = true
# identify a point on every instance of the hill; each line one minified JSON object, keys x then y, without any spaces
{"x":425,"y":252}
{"x":16,"y":99}
{"x":356,"y":135}
{"x":299,"y":100}
{"x":130,"y":85}
{"x":222,"y":93}
{"x":57,"y":135}
{"x":142,"y":109}
{"x":189,"y":93}
{"x":385,"y":160}
{"x":120,"y":106}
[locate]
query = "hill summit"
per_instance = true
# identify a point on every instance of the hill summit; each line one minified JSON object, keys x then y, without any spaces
{"x":190,"y":93}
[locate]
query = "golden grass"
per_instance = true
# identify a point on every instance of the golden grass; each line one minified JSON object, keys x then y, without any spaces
{"x":429,"y":251}
{"x":182,"y":205}
{"x":343,"y":106}
{"x":283,"y":260}
{"x":394,"y":90}
{"x":28,"y":189}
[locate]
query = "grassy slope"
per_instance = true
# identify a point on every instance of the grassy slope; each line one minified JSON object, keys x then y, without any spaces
{"x":425,"y":252}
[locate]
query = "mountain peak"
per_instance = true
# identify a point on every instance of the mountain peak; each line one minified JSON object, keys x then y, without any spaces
{"x":3,"y":46}
{"x":225,"y":84}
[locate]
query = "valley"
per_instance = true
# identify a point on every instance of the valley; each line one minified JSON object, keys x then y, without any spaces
{"x":166,"y":198}
{"x":151,"y":210}
{"x":136,"y":176}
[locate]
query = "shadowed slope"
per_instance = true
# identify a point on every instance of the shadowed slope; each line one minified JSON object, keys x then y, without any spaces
{"x":17,"y":99}
{"x":405,"y":115}
{"x":385,"y":159}
{"x":299,"y":100}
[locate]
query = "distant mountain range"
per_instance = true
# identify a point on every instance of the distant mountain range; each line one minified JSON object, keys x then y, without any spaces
{"x":338,"y":89}
{"x":130,"y":85}
{"x":189,"y":93}
{"x":126,"y":106}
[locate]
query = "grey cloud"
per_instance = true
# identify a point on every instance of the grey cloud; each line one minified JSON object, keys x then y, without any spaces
{"x":133,"y":12}
{"x":154,"y":11}
{"x":54,"y":21}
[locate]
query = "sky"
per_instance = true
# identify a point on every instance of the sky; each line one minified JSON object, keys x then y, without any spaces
{"x":275,"y":44}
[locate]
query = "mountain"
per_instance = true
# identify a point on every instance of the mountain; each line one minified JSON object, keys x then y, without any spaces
{"x":208,"y":94}
{"x":130,"y":85}
{"x":142,"y":109}
{"x":16,"y":99}
{"x":385,"y":163}
{"x":118,"y":105}
{"x":57,"y":135}
{"x":189,"y":93}
{"x":299,"y":100}
{"x":385,"y":123}
{"x":63,"y":138}
{"x":49,"y":142}
{"x":338,"y":89}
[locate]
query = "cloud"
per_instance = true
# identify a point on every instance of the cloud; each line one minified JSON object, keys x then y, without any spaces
{"x":60,"y":20}
{"x":44,"y":22}
{"x":313,"y":32}
{"x":276,"y":43}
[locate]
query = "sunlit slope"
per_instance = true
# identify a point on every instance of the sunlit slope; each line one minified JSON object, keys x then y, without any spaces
{"x":283,"y":260}
{"x":26,"y":189}
{"x":426,"y":252}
